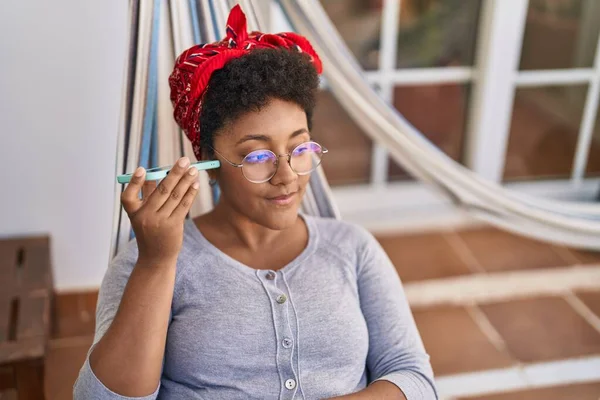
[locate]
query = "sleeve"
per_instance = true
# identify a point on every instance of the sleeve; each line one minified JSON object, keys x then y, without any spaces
{"x":396,"y":352}
{"x":88,"y":386}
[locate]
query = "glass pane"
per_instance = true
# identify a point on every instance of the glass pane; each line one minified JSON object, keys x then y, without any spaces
{"x":560,"y":34}
{"x":543,"y":133}
{"x":350,"y":150}
{"x":593,"y":166}
{"x":435,"y":33}
{"x":439,"y":112}
{"x":359,"y":24}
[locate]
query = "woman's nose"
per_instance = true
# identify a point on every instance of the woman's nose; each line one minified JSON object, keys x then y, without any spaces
{"x":284,"y":174}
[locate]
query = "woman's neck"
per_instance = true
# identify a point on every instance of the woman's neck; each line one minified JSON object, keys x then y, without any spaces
{"x":232,"y":229}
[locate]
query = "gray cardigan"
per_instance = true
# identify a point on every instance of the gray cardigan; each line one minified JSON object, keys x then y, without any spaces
{"x":328,"y":323}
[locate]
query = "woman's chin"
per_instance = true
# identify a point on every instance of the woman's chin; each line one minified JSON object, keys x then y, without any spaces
{"x":279,"y":219}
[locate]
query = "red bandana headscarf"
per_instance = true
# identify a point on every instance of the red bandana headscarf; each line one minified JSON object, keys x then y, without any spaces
{"x":194,"y":67}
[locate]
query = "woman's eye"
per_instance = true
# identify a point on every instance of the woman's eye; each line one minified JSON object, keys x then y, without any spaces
{"x":258,"y":158}
{"x":302,"y":149}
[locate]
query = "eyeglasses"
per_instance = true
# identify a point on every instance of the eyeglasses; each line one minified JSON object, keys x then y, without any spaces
{"x":261,"y":165}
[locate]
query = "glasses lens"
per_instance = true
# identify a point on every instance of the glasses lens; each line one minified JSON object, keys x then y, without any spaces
{"x":259,"y":166}
{"x":306,"y":157}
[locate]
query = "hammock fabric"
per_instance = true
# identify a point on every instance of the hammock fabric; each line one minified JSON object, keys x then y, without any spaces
{"x":149,"y":136}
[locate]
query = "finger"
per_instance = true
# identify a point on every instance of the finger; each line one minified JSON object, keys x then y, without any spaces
{"x":130,"y":196}
{"x":179,"y":192}
{"x":147,"y":189}
{"x":166,"y":186}
{"x":183,"y":208}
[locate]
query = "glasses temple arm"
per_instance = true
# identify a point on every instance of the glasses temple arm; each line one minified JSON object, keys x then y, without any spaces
{"x":225,"y":158}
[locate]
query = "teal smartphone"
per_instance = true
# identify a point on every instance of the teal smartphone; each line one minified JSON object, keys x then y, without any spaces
{"x":154,"y":174}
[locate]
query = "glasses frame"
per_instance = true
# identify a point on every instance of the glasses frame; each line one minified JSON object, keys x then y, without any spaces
{"x":277,"y":157}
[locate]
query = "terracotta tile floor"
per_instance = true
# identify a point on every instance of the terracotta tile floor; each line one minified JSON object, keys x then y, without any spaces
{"x":586,"y":257}
{"x":542,"y":329}
{"x":459,"y":339}
{"x":589,"y":391}
{"x":426,"y":256}
{"x":592,"y":300}
{"x":441,"y":255}
{"x":455,"y":343}
{"x":496,"y":250}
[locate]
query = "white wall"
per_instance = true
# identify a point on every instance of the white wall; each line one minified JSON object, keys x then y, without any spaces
{"x":61,"y":70}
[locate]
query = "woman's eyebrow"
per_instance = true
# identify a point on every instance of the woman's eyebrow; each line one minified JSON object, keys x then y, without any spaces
{"x":265,"y":138}
{"x":298,"y":132}
{"x":262,"y":138}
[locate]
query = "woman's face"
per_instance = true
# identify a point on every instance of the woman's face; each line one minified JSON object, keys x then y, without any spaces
{"x":280,"y":126}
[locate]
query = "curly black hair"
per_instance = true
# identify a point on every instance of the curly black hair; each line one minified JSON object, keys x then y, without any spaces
{"x":249,"y":82}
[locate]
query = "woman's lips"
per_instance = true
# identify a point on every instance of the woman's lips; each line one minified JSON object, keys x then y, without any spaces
{"x":282,"y":200}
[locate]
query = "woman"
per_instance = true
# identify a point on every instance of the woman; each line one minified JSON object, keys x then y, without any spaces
{"x":251,"y":300}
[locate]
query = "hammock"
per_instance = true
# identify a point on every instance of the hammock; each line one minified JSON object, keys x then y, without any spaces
{"x":148,"y":135}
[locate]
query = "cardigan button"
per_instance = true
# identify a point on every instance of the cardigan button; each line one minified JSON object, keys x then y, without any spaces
{"x":281,"y":298}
